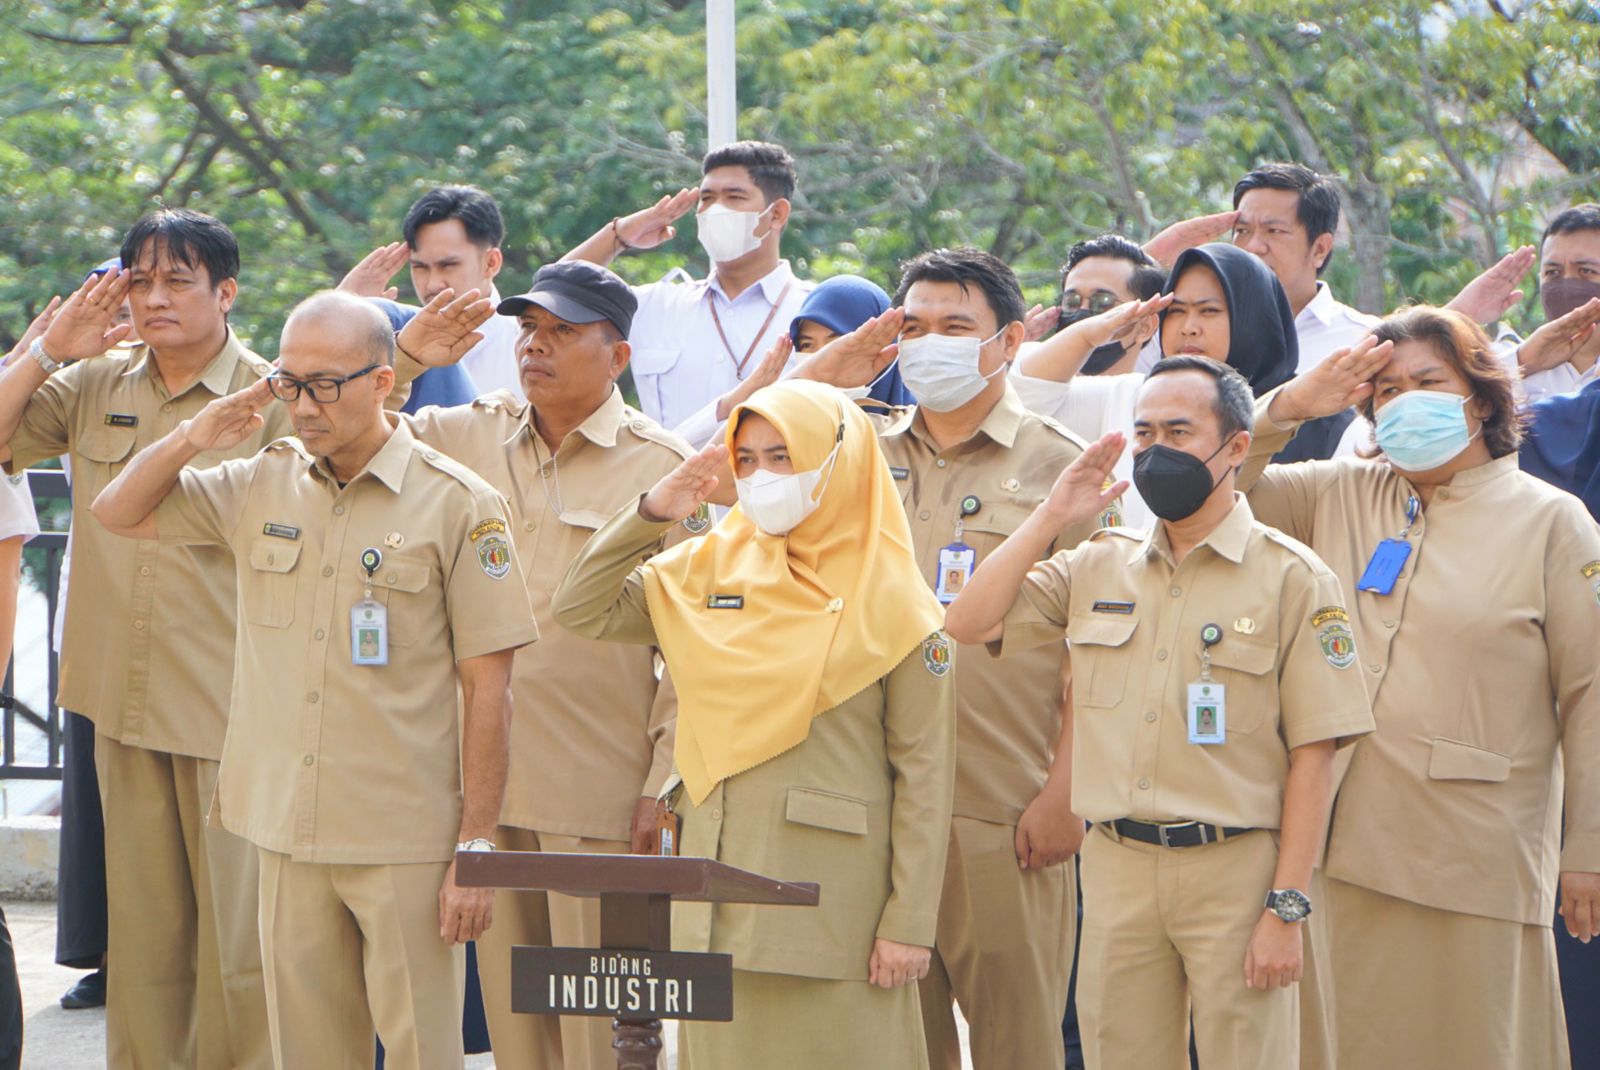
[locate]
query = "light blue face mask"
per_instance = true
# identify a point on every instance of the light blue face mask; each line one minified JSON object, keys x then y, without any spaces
{"x":1423,"y":429}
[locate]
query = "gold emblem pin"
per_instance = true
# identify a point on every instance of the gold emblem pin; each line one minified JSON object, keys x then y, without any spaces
{"x":394,"y":540}
{"x":1010,"y":485}
{"x":1244,"y":626}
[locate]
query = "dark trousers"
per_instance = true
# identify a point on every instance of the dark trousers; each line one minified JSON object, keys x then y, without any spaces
{"x":81,"y":870}
{"x":10,"y":1002}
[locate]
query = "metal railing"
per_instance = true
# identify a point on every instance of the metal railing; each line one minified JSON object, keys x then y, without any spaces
{"x":46,"y":486}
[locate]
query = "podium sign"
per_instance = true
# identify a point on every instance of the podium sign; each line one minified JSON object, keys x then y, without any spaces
{"x":622,"y":984}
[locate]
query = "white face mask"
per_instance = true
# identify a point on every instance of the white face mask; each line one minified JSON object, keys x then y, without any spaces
{"x":777,"y":503}
{"x":726,"y":234}
{"x":941,"y":370}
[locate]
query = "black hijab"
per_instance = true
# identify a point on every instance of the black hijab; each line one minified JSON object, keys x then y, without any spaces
{"x":1262,"y":346}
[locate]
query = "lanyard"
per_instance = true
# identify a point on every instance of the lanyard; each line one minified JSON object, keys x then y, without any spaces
{"x":738,"y":365}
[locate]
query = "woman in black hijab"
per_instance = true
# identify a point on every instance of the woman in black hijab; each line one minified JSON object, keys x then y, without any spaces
{"x":1228,"y":305}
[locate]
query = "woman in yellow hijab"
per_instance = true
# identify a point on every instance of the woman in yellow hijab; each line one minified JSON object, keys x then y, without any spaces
{"x":815,"y":731}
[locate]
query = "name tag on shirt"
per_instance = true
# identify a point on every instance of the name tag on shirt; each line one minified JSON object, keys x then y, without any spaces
{"x":1384,"y":568}
{"x":1124,"y":608}
{"x":956,"y":563}
{"x":1208,"y":714}
{"x":369,"y":633}
{"x":899,"y":473}
{"x":282,"y":531}
{"x":725,"y":601}
{"x":121,"y":419}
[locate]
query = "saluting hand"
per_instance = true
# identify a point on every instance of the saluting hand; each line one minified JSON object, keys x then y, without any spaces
{"x":650,"y":227}
{"x":35,"y":329}
{"x":1343,"y":380}
{"x":894,"y":964}
{"x":686,"y":488}
{"x":82,"y":327}
{"x":1081,"y":490}
{"x":1038,"y":321}
{"x":370,"y":277}
{"x":1491,"y":295}
{"x":464,"y":913}
{"x":1188,"y":233}
{"x":446,"y":328}
{"x":857,"y":358}
{"x":1580,"y":904}
{"x":769,"y":371}
{"x":1551,"y":346}
{"x":228,"y":421}
{"x":1118,"y":324}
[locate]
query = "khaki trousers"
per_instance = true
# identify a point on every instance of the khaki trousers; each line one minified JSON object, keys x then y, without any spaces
{"x":350,"y":948}
{"x":1318,"y":1030}
{"x":538,"y":1041}
{"x":1429,"y":989}
{"x":1164,"y":936}
{"x":1003,"y":952}
{"x":788,"y":1022}
{"x":185,"y":985}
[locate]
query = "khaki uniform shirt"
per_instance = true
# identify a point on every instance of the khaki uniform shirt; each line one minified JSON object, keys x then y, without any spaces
{"x":1484,"y":680}
{"x":1008,"y":716}
{"x":1134,"y":619}
{"x":327,"y":761}
{"x":147,"y":653}
{"x":862,"y":805}
{"x":591,"y":728}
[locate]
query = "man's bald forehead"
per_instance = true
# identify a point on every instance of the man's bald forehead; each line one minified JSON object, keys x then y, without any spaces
{"x":357,"y":324}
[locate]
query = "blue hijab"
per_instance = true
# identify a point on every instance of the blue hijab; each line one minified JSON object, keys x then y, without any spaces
{"x":1563,"y":444}
{"x":842,"y":304}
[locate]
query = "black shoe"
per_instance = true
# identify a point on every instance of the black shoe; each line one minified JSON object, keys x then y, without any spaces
{"x":88,"y":992}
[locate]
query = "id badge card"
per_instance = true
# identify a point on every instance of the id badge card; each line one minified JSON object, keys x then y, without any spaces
{"x":1208,"y":713}
{"x":956,"y":564}
{"x":369,"y":633}
{"x":1384,"y":568}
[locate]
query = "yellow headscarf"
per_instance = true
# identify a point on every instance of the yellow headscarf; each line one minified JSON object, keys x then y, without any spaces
{"x":827,"y":610}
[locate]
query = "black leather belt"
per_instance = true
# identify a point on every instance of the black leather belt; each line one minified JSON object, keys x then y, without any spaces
{"x":1179,"y":834}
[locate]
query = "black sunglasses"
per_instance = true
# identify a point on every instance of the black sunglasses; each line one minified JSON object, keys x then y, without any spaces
{"x":324,"y":389}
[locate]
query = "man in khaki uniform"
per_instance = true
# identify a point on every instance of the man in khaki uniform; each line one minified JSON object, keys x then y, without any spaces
{"x":374,"y":576}
{"x":591,"y":739}
{"x":148,"y":648}
{"x":1212,"y":681}
{"x":972,"y":464}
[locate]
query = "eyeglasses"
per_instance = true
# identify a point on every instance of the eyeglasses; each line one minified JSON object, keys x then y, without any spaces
{"x":324,"y":389}
{"x":1098,"y":302}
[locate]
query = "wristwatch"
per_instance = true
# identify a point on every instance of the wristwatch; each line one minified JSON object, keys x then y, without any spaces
{"x":1290,"y":904}
{"x":479,"y":844}
{"x":44,"y":360}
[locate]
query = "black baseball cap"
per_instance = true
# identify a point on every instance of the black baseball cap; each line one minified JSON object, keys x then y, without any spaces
{"x":578,"y":292}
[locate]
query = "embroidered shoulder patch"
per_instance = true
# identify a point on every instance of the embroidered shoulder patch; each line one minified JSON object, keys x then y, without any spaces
{"x":1333,"y":635}
{"x":484,"y":527}
{"x":936,"y":654}
{"x":699,"y":521}
{"x":1591,"y":572}
{"x":494,"y":555}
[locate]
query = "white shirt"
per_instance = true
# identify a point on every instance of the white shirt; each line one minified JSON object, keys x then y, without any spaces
{"x":1089,"y":406}
{"x":1562,"y":379}
{"x":1323,"y":326}
{"x":492,"y":363}
{"x":680,"y":363}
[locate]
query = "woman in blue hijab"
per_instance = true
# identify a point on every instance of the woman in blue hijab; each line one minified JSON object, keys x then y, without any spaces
{"x":838,"y":306}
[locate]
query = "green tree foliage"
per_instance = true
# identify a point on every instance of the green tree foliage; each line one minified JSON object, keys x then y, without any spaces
{"x":1021,"y":126}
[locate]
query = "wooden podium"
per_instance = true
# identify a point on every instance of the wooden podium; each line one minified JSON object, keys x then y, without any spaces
{"x":634,"y":977}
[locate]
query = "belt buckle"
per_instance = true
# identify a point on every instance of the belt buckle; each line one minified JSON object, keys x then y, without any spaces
{"x":1162,"y":830}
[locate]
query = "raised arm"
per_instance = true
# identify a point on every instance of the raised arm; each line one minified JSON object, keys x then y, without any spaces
{"x":1060,"y":358}
{"x":644,"y":229}
{"x":127,"y":506}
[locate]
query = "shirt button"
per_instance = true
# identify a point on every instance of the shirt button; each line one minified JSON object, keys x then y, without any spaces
{"x":327,"y":570}
{"x":1161,"y":655}
{"x":430,"y":455}
{"x":167,"y":407}
{"x":1150,"y":715}
{"x":923,"y":515}
{"x":531,"y":526}
{"x":138,"y":625}
{"x":1176,"y":591}
{"x":144,"y":570}
{"x":319,"y":633}
{"x":389,"y":578}
{"x":716,"y":815}
{"x":1143,"y":783}
{"x":1375,"y":667}
{"x":308,"y":760}
{"x":1388,"y":624}
{"x":312,"y":696}
{"x":338,"y":510}
{"x":939,"y":462}
{"x":271,"y":558}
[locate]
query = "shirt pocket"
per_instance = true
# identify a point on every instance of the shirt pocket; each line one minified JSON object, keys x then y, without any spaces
{"x":649,"y":364}
{"x":106,"y":449}
{"x":1100,"y":658}
{"x":1243,"y":664}
{"x":399,"y":585}
{"x":549,"y":563}
{"x":991,"y":526}
{"x":270,"y":595}
{"x":1451,"y":759}
{"x":825,"y":810}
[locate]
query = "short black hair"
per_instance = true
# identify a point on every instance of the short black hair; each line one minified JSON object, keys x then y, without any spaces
{"x":478,"y":212}
{"x":1578,"y":217}
{"x":1148,"y":276}
{"x":1235,"y":405}
{"x":967,"y":267}
{"x":191,"y":238}
{"x":771,"y":167}
{"x":1318,"y":210}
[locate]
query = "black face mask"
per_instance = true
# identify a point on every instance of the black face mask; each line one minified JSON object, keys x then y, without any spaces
{"x":1101,"y":357}
{"x":1174,"y":484}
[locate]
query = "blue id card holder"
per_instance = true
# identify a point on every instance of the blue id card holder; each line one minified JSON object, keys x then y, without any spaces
{"x":1390,"y":557}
